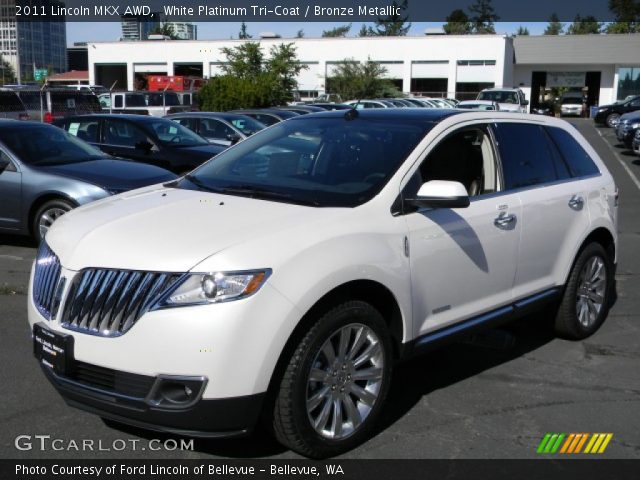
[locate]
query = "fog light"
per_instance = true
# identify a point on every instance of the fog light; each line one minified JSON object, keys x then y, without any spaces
{"x":176,"y":392}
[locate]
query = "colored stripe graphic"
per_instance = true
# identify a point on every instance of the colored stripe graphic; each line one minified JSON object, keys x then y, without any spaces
{"x":573,"y":443}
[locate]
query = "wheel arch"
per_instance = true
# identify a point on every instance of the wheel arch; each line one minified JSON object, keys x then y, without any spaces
{"x":601,"y":235}
{"x":40,"y":201}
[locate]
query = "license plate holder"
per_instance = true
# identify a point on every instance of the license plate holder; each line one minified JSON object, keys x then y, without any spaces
{"x":53,"y":349}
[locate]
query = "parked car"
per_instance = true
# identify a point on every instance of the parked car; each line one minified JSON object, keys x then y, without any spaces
{"x":152,"y":140}
{"x":301,"y":109}
{"x":267,"y":116}
{"x":11,"y":106}
{"x":635,"y":145}
{"x":332,"y":106}
{"x":478,"y":105}
{"x":45,"y":172}
{"x":284,"y":279}
{"x":221,"y":128}
{"x":509,"y":99}
{"x":369,"y":104}
{"x":141,"y":103}
{"x":571,"y":106}
{"x":54,"y":103}
{"x":627,"y":126}
{"x":544,"y":108}
{"x":609,"y":115}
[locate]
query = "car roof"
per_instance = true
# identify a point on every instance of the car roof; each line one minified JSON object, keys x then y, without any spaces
{"x":272,"y":111}
{"x":426,"y":114}
{"x":501,"y":89}
{"x":126,"y":116}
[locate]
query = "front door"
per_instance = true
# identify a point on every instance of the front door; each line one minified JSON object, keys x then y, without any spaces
{"x":10,"y":194}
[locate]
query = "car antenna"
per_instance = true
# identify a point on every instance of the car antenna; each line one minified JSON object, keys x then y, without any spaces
{"x":352,"y":113}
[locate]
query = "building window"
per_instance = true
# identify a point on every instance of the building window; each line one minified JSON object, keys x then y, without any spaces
{"x":431,"y":87}
{"x":430,"y":62}
{"x":628,"y":82}
{"x":476,"y":63}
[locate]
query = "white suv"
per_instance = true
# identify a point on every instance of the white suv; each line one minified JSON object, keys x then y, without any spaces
{"x":284,"y":278}
{"x":509,"y":99}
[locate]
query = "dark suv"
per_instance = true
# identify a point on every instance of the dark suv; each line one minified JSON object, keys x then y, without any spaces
{"x":609,"y":115}
{"x":143,"y":138}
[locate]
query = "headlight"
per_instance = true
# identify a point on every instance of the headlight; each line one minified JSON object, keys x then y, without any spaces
{"x":217,"y":287}
{"x":635,"y":126}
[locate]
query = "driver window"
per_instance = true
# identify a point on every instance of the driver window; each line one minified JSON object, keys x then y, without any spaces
{"x":466,"y":156}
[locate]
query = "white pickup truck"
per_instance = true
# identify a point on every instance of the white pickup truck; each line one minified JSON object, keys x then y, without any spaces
{"x":157,"y":104}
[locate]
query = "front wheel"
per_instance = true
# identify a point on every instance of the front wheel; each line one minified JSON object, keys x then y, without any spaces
{"x":612,"y":120}
{"x":47,"y":214}
{"x":587,"y":295}
{"x":335,"y":383}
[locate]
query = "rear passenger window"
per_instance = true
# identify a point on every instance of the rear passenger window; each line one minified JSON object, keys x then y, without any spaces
{"x":526,"y":157}
{"x":87,"y":130}
{"x":578,"y":160}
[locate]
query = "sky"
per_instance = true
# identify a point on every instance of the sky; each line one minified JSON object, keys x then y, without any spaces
{"x":111,"y":31}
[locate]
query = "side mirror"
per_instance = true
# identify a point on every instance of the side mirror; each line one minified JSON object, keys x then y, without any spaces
{"x":441,"y":194}
{"x":233,"y":138}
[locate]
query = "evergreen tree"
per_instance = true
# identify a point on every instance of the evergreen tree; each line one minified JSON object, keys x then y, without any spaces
{"x":394,"y":25}
{"x":522,"y":30}
{"x":555,"y":27}
{"x":627,"y":16}
{"x":457,"y":23}
{"x":243,"y":34}
{"x":337,"y":31}
{"x":584,"y":25}
{"x":483,"y":17}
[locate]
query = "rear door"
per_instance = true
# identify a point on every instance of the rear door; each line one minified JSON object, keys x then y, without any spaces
{"x":554,"y":213}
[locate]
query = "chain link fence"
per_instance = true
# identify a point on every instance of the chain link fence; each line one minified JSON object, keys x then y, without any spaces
{"x":46,"y":104}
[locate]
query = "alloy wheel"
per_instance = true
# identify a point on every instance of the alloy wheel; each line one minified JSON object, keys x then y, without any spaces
{"x":592,"y":286}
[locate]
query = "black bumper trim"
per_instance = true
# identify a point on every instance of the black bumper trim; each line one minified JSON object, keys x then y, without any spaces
{"x":208,"y":418}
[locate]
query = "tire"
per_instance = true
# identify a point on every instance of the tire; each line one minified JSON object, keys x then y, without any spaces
{"x":301,"y":399}
{"x":612,"y":120}
{"x":46,"y":215}
{"x":584,"y":306}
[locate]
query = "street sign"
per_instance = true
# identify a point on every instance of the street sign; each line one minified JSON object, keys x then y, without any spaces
{"x":40,"y":74}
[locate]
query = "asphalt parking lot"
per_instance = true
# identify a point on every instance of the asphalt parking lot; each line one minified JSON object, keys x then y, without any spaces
{"x":495,"y":398}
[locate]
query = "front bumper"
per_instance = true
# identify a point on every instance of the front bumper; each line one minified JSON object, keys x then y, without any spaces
{"x":601,"y":117}
{"x":228,"y":417}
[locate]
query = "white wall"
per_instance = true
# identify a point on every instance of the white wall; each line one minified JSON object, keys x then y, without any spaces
{"x":450,"y":48}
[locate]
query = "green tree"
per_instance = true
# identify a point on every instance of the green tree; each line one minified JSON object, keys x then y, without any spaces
{"x":300,"y":34}
{"x":8,"y":73}
{"x":337,"y":31}
{"x":227,"y":92}
{"x":352,"y":79}
{"x":243,"y":61}
{"x":457,"y":23}
{"x":483,"y":17}
{"x":366,"y":31}
{"x":243,"y":34}
{"x":522,"y":30}
{"x":555,"y":27}
{"x":627,"y":18}
{"x":284,"y":67}
{"x":584,"y":26}
{"x":395,"y":25}
{"x":165,"y":29}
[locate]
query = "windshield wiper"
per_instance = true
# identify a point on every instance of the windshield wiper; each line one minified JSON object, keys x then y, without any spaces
{"x":253,"y":191}
{"x":202,"y":186}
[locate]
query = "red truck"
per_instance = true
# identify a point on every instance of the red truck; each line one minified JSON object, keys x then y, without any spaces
{"x":176,"y":83}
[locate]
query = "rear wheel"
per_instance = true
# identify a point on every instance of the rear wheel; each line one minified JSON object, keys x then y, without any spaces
{"x":46,"y":215}
{"x":335,"y":383}
{"x":586,"y":299}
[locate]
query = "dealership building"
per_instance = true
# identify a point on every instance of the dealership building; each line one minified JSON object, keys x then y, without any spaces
{"x":604,"y":67}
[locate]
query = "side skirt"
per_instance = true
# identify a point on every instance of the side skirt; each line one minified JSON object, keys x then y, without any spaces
{"x":499,"y":316}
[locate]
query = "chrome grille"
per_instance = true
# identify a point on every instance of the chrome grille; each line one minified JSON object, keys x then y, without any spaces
{"x":109,"y":302}
{"x":45,"y":279}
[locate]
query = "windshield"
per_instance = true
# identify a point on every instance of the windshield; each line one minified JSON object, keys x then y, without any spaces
{"x":46,"y":145}
{"x":175,"y":135}
{"x":246,"y":125}
{"x":316,"y":161}
{"x":572,"y":101}
{"x":499,"y":96}
{"x":476,"y":106}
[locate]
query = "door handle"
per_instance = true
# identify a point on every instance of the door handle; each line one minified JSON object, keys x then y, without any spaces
{"x":576,"y":203}
{"x":505,"y":221}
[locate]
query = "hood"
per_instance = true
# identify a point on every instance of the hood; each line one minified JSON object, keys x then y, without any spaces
{"x":202,"y":152}
{"x":509,"y":107}
{"x":168,"y":229}
{"x":111,"y":174}
{"x":630,"y":117}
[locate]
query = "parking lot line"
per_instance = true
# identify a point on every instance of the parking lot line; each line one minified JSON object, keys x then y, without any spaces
{"x":624,"y":165}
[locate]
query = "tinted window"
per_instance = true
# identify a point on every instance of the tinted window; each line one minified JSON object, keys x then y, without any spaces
{"x":174,"y":134}
{"x":210,"y":128}
{"x":46,"y":145}
{"x":86,"y":130}
{"x":578,"y":160}
{"x":190,"y":123}
{"x":317,"y":161}
{"x":122,"y":133}
{"x":246,"y":125}
{"x":526,"y":155}
{"x":118,"y":101}
{"x":9,"y":102}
